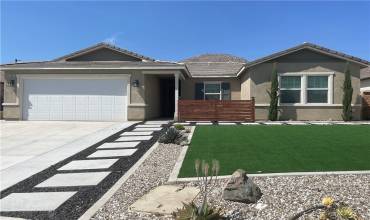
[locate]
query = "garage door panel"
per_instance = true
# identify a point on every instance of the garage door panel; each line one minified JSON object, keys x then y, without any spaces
{"x":74,"y":99}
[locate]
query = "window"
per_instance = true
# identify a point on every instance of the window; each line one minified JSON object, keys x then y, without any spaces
{"x":306,"y":88}
{"x":212,"y":91}
{"x":317,"y":89}
{"x":290,"y":89}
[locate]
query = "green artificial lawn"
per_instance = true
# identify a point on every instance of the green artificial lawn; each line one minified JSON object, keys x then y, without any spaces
{"x":288,"y":148}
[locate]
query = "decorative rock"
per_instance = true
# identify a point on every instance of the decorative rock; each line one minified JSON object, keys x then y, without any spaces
{"x":240,"y":188}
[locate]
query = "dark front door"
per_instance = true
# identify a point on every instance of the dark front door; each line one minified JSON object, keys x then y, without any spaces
{"x":167,"y":99}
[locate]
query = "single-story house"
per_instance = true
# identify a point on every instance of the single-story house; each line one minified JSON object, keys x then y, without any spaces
{"x":107,"y":83}
{"x":365,"y":91}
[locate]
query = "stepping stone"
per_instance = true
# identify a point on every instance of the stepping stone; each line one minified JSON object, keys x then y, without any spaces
{"x":89,"y":164}
{"x":134,"y":138}
{"x":112,"y":153}
{"x":34,"y":201}
{"x":165,"y":199}
{"x":130,"y":144}
{"x":133,"y":133}
{"x":250,"y":123}
{"x":148,"y":126}
{"x":74,"y":179}
{"x":147,"y":129}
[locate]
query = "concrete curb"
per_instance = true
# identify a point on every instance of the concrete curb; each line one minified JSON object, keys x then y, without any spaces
{"x":98,"y":204}
{"x":363,"y":172}
{"x":176,"y":169}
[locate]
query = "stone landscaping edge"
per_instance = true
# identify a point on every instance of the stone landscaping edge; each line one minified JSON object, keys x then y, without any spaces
{"x":98,"y":204}
{"x":192,"y":179}
{"x":176,"y":169}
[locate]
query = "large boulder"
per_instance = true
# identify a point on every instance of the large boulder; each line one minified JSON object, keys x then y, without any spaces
{"x":240,"y":188}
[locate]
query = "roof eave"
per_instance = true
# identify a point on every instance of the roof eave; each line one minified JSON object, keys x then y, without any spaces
{"x":309,"y":46}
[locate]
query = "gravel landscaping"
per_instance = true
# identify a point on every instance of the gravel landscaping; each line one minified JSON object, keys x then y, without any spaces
{"x":282,"y":196}
{"x":154,"y":171}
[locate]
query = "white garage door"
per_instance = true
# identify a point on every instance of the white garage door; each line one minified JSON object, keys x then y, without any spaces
{"x":75,"y":99}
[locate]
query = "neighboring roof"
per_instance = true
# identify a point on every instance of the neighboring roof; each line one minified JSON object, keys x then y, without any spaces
{"x":215,"y":58}
{"x":313,"y":47}
{"x":103,"y":45}
{"x":214,"y":65}
{"x":365,"y":73}
{"x":214,"y":69}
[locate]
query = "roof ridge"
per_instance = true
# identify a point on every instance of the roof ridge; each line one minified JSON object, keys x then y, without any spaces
{"x":103,"y":44}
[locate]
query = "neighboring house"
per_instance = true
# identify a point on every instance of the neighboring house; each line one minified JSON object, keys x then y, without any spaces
{"x":104,"y":82}
{"x":1,"y":93}
{"x":365,"y":79}
{"x":365,"y":90}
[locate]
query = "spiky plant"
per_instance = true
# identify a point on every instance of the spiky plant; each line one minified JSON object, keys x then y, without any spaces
{"x":347,"y":95}
{"x":207,"y":178}
{"x":273,"y":93}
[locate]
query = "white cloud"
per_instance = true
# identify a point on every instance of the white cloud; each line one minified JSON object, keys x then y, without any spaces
{"x":112,"y":39}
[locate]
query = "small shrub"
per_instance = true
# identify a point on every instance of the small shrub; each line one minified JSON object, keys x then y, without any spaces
{"x":170,"y":136}
{"x":179,"y":127}
{"x":331,"y":210}
{"x":207,"y":177}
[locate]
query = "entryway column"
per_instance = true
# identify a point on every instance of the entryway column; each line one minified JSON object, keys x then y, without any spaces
{"x":175,"y":115}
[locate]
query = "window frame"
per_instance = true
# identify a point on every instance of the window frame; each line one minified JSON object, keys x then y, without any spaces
{"x":317,"y":89}
{"x":220,"y":93}
{"x":290,"y":89}
{"x":212,"y":93}
{"x":304,"y":89}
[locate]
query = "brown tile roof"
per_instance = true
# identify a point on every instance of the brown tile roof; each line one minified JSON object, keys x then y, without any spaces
{"x":215,"y":58}
{"x":312,"y":47}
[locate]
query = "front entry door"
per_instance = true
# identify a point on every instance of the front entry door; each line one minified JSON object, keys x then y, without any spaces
{"x":167,"y":98}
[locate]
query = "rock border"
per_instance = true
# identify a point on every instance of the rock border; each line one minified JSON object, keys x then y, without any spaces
{"x":362,"y":172}
{"x":176,"y":169}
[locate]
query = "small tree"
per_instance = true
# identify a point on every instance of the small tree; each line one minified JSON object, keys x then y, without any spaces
{"x":347,"y":95}
{"x":273,"y":93}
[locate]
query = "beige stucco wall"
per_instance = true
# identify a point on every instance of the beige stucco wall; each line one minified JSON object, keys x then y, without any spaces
{"x":188,"y":87}
{"x":365,"y":84}
{"x":307,"y":113}
{"x":304,"y":61}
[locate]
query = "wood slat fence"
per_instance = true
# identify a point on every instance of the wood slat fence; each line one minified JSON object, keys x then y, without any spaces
{"x":216,"y":110}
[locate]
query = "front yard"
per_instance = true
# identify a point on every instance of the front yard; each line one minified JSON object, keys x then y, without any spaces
{"x":272,"y":149}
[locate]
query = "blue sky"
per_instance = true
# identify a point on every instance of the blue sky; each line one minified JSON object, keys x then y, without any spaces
{"x":33,"y":31}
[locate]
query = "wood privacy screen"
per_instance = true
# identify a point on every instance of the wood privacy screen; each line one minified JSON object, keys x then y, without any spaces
{"x":366,"y":105}
{"x":216,"y":110}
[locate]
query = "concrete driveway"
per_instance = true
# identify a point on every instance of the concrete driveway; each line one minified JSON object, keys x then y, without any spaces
{"x":27,"y":147}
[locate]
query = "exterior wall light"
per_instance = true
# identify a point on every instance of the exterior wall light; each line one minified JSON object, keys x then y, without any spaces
{"x":136,"y":83}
